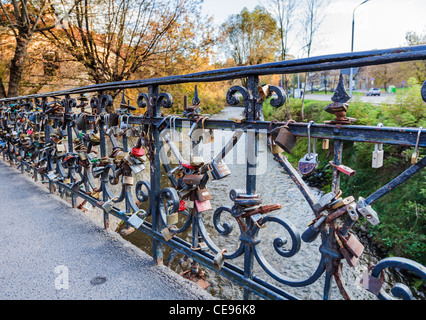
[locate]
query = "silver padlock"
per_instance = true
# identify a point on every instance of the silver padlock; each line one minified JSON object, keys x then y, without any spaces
{"x":51,"y":175}
{"x":310,"y":161}
{"x":378,"y":155}
{"x":108,"y":205}
{"x":324,"y":201}
{"x":367,"y":211}
{"x":136,"y":168}
{"x":219,"y":260}
{"x":351,"y":209}
{"x":257,"y":218}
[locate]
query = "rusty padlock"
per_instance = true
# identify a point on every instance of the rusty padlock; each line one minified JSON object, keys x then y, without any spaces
{"x":169,"y":232}
{"x":371,"y":283}
{"x":343,"y":169}
{"x":219,"y":260}
{"x":202,"y":205}
{"x":203,"y":194}
{"x":192,"y":179}
{"x":350,"y":247}
{"x":285,"y":139}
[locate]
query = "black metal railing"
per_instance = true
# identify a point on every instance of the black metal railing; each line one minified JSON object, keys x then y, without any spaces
{"x":92,"y":162}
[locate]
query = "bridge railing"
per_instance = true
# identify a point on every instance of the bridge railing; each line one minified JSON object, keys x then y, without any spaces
{"x":92,"y":162}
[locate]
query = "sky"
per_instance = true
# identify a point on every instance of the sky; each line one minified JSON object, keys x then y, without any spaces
{"x":379,"y":24}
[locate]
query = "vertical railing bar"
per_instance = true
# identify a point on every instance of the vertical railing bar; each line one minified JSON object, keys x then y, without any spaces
{"x":155,"y":174}
{"x":251,"y":154}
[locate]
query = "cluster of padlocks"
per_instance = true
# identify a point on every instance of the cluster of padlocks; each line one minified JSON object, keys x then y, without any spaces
{"x":68,"y":149}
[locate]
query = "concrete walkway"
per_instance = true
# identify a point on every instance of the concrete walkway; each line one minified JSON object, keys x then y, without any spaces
{"x":49,"y":250}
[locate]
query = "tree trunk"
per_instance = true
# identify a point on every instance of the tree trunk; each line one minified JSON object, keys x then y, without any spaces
{"x":2,"y":89}
{"x":17,"y":65}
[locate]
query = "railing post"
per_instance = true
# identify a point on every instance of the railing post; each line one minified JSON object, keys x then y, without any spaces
{"x":155,"y":172}
{"x":252,"y":144}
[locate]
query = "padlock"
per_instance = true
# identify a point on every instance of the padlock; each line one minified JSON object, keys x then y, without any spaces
{"x":336,"y":204}
{"x":350,"y":247}
{"x":202,"y":205}
{"x":203,"y":194}
{"x":325,"y":200}
{"x":343,"y":169}
{"x":138,"y":152}
{"x":310,"y":234}
{"x":97,"y":171}
{"x":310,"y":161}
{"x":257,"y":220}
{"x":285,"y":139}
{"x":128,"y":180}
{"x":82,"y":156}
{"x":108,"y":205}
{"x":136,"y":168}
{"x":276,"y":149}
{"x":135,"y":220}
{"x":51,"y":176}
{"x":378,"y":153}
{"x":172,"y":219}
{"x":367,"y":211}
{"x":168,"y":232}
{"x":60,"y":147}
{"x":81,"y":122}
{"x":192,"y":179}
{"x":219,"y":260}
{"x":325,"y":144}
{"x":207,"y":137}
{"x":94,"y":139}
{"x":415,"y":155}
{"x":196,"y":161}
{"x":219,"y":170}
{"x":351,"y":209}
{"x":370,"y":283}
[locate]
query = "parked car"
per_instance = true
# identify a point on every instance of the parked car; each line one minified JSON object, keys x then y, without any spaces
{"x":373,"y":92}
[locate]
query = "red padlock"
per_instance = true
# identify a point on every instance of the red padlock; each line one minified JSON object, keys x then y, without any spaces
{"x":138,"y":152}
{"x":187,"y":165}
{"x":182,"y":206}
{"x":344,"y":169}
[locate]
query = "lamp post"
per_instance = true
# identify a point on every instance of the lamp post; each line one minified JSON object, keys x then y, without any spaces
{"x":352,"y":47}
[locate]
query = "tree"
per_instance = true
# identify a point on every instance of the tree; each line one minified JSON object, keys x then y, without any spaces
{"x":24,"y":19}
{"x":314,"y":14}
{"x":418,"y":67}
{"x":283,"y":11}
{"x":115,"y":38}
{"x":251,"y":37}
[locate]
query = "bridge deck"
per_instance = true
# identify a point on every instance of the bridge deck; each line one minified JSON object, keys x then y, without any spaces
{"x":44,"y":242}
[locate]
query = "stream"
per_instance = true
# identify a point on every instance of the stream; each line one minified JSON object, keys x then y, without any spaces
{"x":274,"y":186}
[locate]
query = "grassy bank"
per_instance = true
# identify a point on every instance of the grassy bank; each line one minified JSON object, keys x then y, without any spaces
{"x":402,"y":212}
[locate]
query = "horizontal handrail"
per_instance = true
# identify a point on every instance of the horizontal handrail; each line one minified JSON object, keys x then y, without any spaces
{"x":320,"y":63}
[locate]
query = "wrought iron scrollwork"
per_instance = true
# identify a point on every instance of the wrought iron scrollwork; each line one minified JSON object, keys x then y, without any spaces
{"x":93,"y":177}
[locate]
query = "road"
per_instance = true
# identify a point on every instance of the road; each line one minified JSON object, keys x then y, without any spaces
{"x":50,"y":251}
{"x":374,"y":100}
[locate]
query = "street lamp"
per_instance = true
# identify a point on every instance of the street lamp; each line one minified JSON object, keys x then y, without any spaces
{"x":352,"y":46}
